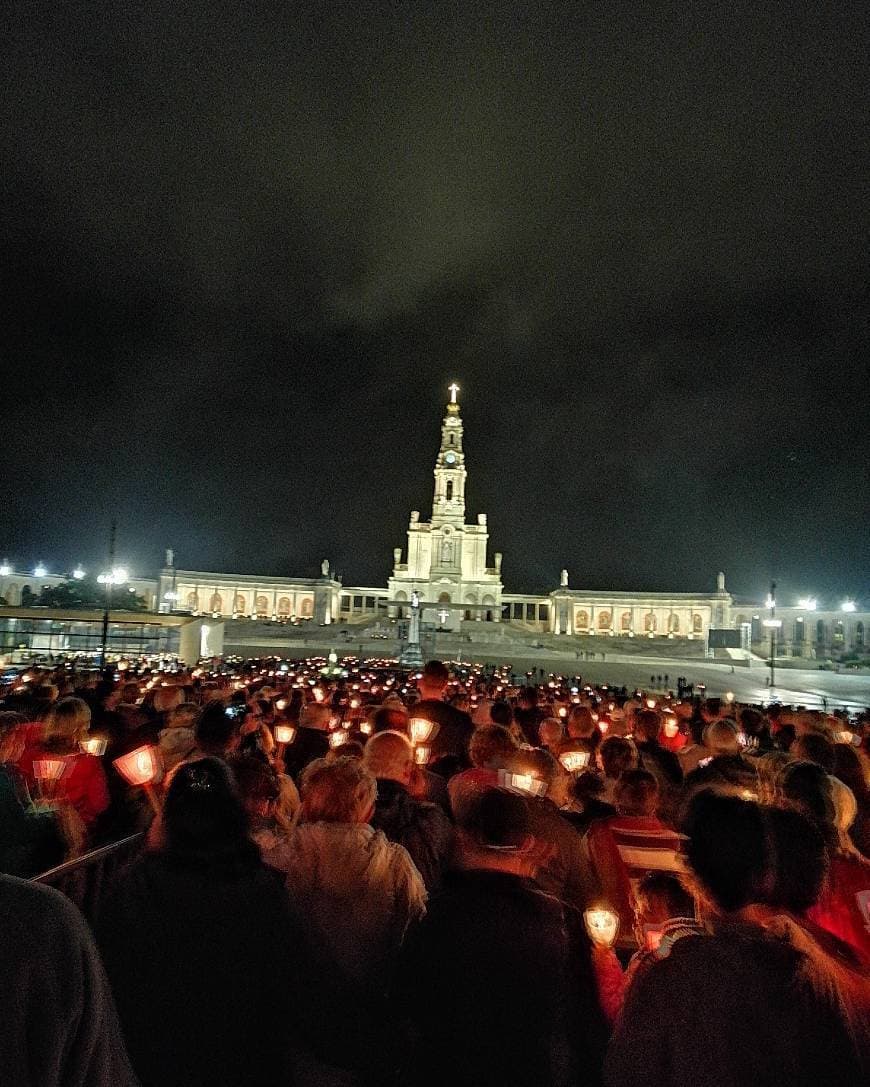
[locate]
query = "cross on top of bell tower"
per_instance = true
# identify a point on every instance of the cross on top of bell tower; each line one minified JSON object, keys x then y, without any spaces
{"x":453,"y":405}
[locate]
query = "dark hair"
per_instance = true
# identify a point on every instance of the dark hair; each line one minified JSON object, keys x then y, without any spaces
{"x":726,"y":848}
{"x":214,"y":727}
{"x":389,"y":719}
{"x":255,"y":779}
{"x":587,"y":786}
{"x":436,"y":670}
{"x":814,"y":747}
{"x":491,"y":743}
{"x":808,"y":788}
{"x":798,"y":862}
{"x":203,"y":817}
{"x":500,"y":713}
{"x":529,"y":695}
{"x":637,"y":792}
{"x":617,"y":755}
{"x":648,"y":724}
{"x":10,"y":720}
{"x":666,"y":888}
{"x":847,"y":767}
{"x":537,"y":762}
{"x":784,"y":737}
{"x":497,"y":818}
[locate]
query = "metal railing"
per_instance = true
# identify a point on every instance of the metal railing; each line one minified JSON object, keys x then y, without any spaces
{"x":86,"y":879}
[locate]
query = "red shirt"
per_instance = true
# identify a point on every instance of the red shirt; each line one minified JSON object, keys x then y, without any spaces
{"x":82,"y":783}
{"x":844,"y":907}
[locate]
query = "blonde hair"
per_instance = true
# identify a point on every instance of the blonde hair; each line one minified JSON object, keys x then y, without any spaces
{"x":66,"y":721}
{"x":337,"y":792}
{"x":388,"y":754}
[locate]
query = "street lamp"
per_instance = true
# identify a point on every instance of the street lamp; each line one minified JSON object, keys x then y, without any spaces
{"x":5,"y":569}
{"x":808,"y":603}
{"x":78,"y":573}
{"x":773,"y":624}
{"x":39,"y":570}
{"x":849,"y":605}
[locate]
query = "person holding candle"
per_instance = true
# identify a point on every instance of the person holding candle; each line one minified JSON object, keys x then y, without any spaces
{"x":748,"y":1006}
{"x":82,"y":780}
{"x":497,"y":980}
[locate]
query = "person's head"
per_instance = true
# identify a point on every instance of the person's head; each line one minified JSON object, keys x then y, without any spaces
{"x":204,"y":820}
{"x":528,"y":698}
{"x":257,"y":784}
{"x":501,"y":713}
{"x":660,"y":897}
{"x":720,"y":737}
{"x":751,"y":721}
{"x":647,"y":725}
{"x":11,"y":736}
{"x":769,"y":766}
{"x":812,"y":746}
{"x":637,"y":793}
{"x":315,"y":715}
{"x":727,"y":850}
{"x":392,"y":718}
{"x":581,"y":724}
{"x":491,"y":747}
{"x":617,"y":755}
{"x":495,"y":830}
{"x":66,"y":723}
{"x":806,"y":787}
{"x":342,"y":791}
{"x":848,"y":768}
{"x":129,"y":693}
{"x":434,"y":679}
{"x":183,"y":716}
{"x":798,"y":860}
{"x":390,"y":755}
{"x":166,"y":698}
{"x":216,"y":729}
{"x":550,"y":732}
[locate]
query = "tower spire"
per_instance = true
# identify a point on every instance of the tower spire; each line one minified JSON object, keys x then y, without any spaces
{"x":448,"y":506}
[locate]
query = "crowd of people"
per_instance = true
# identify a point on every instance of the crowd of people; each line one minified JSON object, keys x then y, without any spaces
{"x":355,"y":875}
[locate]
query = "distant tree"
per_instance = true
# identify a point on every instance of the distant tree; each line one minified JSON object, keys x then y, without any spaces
{"x":87,"y":593}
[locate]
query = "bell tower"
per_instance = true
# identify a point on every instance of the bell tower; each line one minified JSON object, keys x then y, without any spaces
{"x":448,"y":505}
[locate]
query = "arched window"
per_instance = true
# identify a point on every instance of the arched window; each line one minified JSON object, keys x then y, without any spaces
{"x":604,"y":620}
{"x":262,"y":605}
{"x":839,"y":633}
{"x":216,"y":604}
{"x":192,"y":602}
{"x":821,"y":633}
{"x":800,"y":630}
{"x":581,"y":620}
{"x":444,"y":598}
{"x":674,"y":624}
{"x":697,"y":624}
{"x":625,"y":622}
{"x":283,"y":605}
{"x":859,"y":635}
{"x":649,"y":623}
{"x":306,"y":609}
{"x":449,"y":489}
{"x":239,"y":603}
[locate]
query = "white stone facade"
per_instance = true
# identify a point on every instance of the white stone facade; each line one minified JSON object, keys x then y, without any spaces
{"x":446,"y":559}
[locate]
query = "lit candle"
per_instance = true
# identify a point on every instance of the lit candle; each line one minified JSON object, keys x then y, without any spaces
{"x":94,"y":745}
{"x":602,"y":925}
{"x":138,"y":767}
{"x":420,"y":729}
{"x":421,"y":754}
{"x":574,"y":760}
{"x":337,"y":738}
{"x":285,"y":734}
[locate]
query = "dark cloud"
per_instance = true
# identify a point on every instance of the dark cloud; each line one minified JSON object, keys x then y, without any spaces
{"x":246,"y":247}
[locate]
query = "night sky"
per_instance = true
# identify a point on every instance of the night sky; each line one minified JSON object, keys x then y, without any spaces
{"x":246,"y":247}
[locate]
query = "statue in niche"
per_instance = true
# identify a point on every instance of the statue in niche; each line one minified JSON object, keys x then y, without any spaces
{"x":447,"y":552}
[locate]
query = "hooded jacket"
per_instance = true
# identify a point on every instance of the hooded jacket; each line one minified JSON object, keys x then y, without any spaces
{"x":422,"y":828}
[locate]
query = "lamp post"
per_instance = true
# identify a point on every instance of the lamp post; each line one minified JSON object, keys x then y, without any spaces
{"x":772,"y":624}
{"x":107,"y":581}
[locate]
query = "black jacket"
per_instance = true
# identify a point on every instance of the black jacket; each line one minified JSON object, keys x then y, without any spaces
{"x":202,"y":963}
{"x":422,"y":828}
{"x":497,"y":982}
